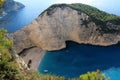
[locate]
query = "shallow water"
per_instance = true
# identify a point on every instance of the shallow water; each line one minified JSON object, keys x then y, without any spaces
{"x":77,"y":59}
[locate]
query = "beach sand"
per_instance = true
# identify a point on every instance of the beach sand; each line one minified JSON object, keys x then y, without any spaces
{"x":35,"y":55}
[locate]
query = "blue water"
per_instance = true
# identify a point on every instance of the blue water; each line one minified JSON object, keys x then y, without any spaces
{"x":21,"y":18}
{"x":77,"y":59}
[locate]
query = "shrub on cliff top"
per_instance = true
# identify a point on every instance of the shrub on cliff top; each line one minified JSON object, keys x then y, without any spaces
{"x":95,"y":14}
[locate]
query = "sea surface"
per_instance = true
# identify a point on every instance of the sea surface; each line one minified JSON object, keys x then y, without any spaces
{"x":21,"y":18}
{"x":76,"y":59}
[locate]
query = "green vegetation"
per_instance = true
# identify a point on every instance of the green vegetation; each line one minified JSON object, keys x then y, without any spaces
{"x":92,"y":76}
{"x":1,"y":5}
{"x":99,"y":17}
{"x":93,"y":12}
{"x":1,"y":2}
{"x":89,"y":76}
{"x":9,"y":69}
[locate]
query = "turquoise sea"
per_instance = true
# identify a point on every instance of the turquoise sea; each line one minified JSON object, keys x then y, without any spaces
{"x":76,"y":59}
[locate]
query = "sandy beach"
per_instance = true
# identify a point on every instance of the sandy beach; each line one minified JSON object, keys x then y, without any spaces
{"x":35,"y":55}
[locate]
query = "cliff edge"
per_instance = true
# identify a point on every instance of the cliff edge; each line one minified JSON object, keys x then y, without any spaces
{"x":74,"y":22}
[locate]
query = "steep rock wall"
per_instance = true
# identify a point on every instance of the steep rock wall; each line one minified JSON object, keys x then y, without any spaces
{"x":53,"y":28}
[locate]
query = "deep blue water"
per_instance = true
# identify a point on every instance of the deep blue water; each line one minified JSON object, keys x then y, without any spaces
{"x":77,"y":59}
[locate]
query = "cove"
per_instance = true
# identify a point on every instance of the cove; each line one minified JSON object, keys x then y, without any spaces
{"x":78,"y":59}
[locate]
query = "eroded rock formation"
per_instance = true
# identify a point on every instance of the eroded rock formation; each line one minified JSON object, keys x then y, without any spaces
{"x":21,"y":41}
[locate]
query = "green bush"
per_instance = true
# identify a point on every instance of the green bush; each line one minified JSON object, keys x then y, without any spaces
{"x":94,"y":12}
{"x":93,"y":76}
{"x":8,"y":68}
{"x":91,"y":11}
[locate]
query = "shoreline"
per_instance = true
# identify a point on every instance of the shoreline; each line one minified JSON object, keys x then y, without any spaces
{"x":35,"y":55}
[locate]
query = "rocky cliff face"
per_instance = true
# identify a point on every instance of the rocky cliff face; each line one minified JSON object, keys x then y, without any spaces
{"x":21,"y":41}
{"x":53,"y":28}
{"x":11,"y":5}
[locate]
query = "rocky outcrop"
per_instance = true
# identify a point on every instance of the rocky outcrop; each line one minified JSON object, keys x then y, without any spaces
{"x":24,"y":51}
{"x":53,"y":28}
{"x":21,"y":41}
{"x":11,"y":5}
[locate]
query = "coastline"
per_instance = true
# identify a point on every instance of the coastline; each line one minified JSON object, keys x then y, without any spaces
{"x":35,"y":55}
